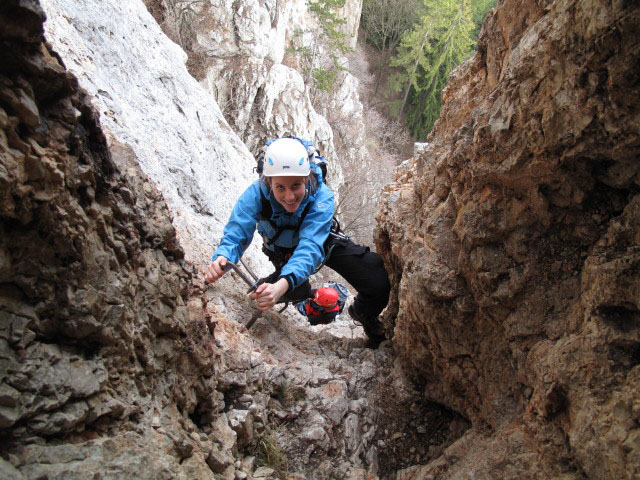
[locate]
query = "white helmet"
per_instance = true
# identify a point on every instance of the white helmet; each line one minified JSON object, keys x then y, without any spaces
{"x":286,"y":157}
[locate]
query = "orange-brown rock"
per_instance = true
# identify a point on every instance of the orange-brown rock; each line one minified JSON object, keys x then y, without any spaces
{"x":513,"y":242}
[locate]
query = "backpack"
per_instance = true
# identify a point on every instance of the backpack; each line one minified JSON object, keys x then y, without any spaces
{"x":318,"y":314}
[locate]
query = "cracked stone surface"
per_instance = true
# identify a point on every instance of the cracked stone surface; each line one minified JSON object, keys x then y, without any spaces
{"x":513,"y":245}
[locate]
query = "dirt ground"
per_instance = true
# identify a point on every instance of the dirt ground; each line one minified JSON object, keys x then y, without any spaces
{"x":411,"y":430}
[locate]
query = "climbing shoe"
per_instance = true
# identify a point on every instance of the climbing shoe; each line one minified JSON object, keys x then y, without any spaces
{"x":372,"y":327}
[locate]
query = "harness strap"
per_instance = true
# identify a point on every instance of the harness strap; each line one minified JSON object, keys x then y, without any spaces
{"x":280,"y":255}
{"x":266,"y":211}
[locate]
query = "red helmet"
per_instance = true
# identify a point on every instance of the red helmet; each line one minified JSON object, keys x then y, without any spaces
{"x":326,"y":297}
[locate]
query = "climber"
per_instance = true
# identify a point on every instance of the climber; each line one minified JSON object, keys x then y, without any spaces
{"x":296,"y":234}
{"x":324,"y":304}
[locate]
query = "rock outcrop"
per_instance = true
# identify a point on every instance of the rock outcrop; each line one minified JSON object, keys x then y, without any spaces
{"x":513,"y":241}
{"x":97,"y":338}
{"x":253,"y":58}
{"x":147,"y":99}
{"x":115,"y":360}
{"x":238,"y":51}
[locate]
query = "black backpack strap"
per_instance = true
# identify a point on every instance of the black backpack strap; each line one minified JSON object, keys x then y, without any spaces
{"x":265,"y":207}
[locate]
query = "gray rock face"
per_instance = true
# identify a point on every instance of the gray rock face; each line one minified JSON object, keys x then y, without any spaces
{"x":505,"y":238}
{"x":123,"y":456}
{"x":241,"y":51}
{"x":147,"y":99}
{"x":47,"y":379}
{"x":247,"y":54}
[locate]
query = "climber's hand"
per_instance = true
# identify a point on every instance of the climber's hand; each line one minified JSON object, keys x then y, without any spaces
{"x":215,"y":270}
{"x":267,"y":294}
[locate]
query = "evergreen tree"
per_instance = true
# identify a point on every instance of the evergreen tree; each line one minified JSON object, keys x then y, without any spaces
{"x":479,"y":9}
{"x":324,"y":75}
{"x":427,"y":54}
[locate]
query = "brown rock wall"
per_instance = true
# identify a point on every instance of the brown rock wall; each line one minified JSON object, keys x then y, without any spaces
{"x":513,"y":239}
{"x":97,"y":336}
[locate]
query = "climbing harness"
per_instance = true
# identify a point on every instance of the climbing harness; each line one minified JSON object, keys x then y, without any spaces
{"x":336,"y":237}
{"x":280,"y":255}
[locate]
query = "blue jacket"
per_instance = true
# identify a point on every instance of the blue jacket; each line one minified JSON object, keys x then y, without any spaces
{"x":308,"y":241}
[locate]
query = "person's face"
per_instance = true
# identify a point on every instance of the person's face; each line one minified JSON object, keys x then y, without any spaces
{"x":289,"y":191}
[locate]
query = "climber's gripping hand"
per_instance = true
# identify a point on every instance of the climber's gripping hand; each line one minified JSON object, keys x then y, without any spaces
{"x":268,"y":294}
{"x":215,"y":270}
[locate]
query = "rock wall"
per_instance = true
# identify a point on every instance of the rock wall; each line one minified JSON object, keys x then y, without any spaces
{"x":99,"y":346}
{"x":351,"y":13}
{"x":513,"y":243}
{"x":247,"y":54}
{"x":147,"y":99}
{"x":237,"y":50}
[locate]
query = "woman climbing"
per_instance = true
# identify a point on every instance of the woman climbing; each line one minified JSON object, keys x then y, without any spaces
{"x":293,"y":209}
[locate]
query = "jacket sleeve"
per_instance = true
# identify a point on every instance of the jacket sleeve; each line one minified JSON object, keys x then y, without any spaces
{"x":239,"y":230}
{"x":313,"y":233}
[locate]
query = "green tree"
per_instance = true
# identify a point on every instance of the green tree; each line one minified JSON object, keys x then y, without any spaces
{"x":427,"y":55}
{"x":414,"y":56}
{"x":324,"y":75}
{"x":479,"y":9}
{"x":384,"y":22}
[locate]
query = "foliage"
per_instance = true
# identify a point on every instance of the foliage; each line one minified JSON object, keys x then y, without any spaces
{"x":384,"y":23}
{"x":270,"y":454}
{"x":324,"y":79}
{"x":323,"y":74}
{"x":479,"y":9}
{"x":427,"y":54}
{"x":429,"y":38}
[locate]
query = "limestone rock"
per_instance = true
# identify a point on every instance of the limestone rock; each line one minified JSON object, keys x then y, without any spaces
{"x":9,"y":472}
{"x":241,"y":421}
{"x":245,"y":54}
{"x":218,"y":460}
{"x":94,"y":288}
{"x":149,"y":101}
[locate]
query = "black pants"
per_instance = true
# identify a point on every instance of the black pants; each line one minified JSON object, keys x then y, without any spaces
{"x":364,"y":270}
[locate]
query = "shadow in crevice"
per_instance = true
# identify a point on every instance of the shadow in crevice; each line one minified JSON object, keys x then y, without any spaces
{"x":413,"y":432}
{"x":623,"y":318}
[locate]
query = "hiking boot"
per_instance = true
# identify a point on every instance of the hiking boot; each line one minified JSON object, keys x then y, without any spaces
{"x":372,"y":327}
